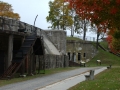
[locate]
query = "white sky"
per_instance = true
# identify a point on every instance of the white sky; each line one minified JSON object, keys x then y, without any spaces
{"x":28,"y":9}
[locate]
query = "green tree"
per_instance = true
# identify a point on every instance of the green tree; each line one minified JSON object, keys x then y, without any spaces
{"x":59,"y":15}
{"x":81,"y":26}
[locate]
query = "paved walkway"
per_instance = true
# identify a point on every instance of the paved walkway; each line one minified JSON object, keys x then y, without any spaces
{"x":69,"y":82}
{"x":58,"y":81}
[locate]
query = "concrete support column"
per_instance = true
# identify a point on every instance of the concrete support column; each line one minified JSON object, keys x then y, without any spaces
{"x":10,"y":50}
{"x":74,"y":56}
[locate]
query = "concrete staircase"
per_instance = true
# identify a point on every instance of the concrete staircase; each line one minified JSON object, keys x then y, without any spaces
{"x":19,"y":56}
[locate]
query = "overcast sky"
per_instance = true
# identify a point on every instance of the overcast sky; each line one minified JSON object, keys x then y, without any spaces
{"x":29,"y":9}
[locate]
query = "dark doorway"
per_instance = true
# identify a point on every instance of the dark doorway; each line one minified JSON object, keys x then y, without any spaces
{"x":79,"y":56}
{"x":38,"y":48}
{"x":39,"y":51}
{"x":1,"y":62}
{"x":69,"y":55}
{"x":84,"y":55}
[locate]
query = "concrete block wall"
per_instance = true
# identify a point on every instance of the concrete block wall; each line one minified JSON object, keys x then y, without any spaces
{"x":80,"y":47}
{"x":56,"y":61}
{"x":58,"y":38}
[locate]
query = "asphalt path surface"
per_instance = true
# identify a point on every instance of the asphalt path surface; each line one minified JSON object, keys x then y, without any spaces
{"x":40,"y":82}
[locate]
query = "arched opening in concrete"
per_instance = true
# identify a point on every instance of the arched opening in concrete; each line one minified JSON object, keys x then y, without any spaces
{"x":38,"y":50}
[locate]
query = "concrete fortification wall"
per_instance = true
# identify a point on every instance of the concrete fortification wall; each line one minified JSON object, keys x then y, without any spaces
{"x":58,"y":38}
{"x":79,"y":50}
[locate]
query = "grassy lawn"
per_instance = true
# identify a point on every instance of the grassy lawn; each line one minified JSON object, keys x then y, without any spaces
{"x":73,"y":38}
{"x":47,"y":72}
{"x":106,"y":80}
{"x":104,"y":44}
{"x":106,"y":59}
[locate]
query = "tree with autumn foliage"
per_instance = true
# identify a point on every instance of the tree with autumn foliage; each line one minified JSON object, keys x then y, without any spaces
{"x":99,"y":12}
{"x":105,"y":14}
{"x":7,"y":11}
{"x":113,"y":40}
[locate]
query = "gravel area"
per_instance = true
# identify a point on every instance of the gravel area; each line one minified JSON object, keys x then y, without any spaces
{"x":45,"y":80}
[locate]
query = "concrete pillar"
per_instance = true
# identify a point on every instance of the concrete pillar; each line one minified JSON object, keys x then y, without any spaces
{"x":64,"y":63}
{"x":34,"y":64}
{"x":74,"y":57}
{"x":10,"y":50}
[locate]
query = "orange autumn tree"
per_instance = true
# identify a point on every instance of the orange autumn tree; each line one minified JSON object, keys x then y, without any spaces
{"x":105,"y":14}
{"x":7,"y":11}
{"x":113,"y":40}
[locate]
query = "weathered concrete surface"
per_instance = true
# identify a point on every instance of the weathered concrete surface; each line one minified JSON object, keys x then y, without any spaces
{"x":49,"y":46}
{"x":86,"y":50}
{"x":45,"y":80}
{"x":58,"y":38}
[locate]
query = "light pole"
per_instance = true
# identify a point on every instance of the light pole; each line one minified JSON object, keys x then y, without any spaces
{"x":35,"y":19}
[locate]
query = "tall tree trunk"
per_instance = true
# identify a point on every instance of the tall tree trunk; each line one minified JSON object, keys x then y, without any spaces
{"x":84,"y":30}
{"x":72,"y":31}
{"x":97,"y":42}
{"x":84,"y":36}
{"x":58,"y":25}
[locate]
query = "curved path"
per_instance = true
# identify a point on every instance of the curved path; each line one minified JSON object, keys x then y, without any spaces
{"x":41,"y":82}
